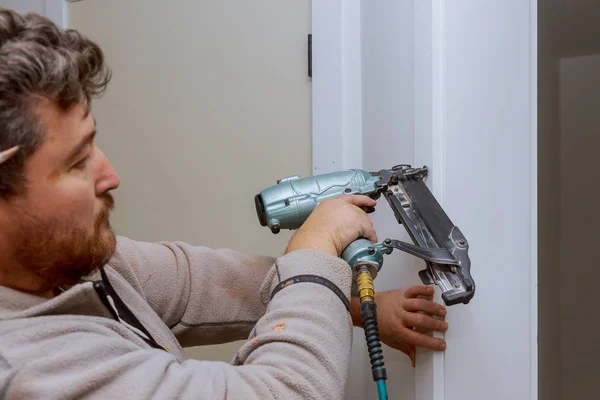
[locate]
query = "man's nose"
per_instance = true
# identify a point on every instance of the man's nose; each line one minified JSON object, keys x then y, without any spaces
{"x":109,"y":179}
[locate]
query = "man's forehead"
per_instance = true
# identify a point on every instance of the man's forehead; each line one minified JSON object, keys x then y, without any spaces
{"x":66,"y":126}
{"x":64,"y":131}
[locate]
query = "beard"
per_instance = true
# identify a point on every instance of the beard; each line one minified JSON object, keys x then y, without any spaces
{"x":60,"y":251}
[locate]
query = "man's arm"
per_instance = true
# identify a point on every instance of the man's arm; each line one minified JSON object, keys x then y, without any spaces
{"x":204,"y":295}
{"x":299,"y":349}
{"x":212,"y":296}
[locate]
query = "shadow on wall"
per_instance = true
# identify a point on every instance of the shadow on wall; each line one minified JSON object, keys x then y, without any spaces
{"x":579,"y":220}
{"x":568,"y":126}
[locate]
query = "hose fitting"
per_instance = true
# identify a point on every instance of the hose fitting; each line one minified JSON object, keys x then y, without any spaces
{"x":364,"y":281}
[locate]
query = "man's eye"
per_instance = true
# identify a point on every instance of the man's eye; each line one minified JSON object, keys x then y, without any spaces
{"x":81,"y":164}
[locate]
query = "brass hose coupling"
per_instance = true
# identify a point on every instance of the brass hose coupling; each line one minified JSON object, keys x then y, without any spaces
{"x":364,"y":282}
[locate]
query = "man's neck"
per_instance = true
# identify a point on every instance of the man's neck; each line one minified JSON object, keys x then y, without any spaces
{"x":15,"y":276}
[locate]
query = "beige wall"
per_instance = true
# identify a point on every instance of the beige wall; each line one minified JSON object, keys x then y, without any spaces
{"x":210,"y":102}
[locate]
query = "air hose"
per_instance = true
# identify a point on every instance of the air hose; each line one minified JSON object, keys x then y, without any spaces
{"x":368,"y":312}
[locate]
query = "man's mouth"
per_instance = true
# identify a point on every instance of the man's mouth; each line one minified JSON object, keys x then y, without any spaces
{"x":104,"y":216}
{"x":108,"y":207}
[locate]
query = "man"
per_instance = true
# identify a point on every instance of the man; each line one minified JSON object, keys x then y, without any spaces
{"x":84,"y":313}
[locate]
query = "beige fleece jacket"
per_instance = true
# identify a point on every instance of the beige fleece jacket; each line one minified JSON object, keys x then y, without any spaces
{"x":121,"y":335}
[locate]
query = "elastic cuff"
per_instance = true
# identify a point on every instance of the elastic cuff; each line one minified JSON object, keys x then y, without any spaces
{"x":307,"y":262}
{"x":312,"y":279}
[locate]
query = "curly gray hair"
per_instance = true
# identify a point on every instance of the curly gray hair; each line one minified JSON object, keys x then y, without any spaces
{"x":40,"y":61}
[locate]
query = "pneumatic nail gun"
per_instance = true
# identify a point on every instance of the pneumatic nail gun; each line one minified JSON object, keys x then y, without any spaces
{"x":437,"y":240}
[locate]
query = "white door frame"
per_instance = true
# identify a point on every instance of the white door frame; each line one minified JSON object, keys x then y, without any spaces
{"x":337,"y":144}
{"x":337,"y":94}
{"x":57,"y":11}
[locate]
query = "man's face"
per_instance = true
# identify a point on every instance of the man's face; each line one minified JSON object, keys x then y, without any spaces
{"x":63,"y":231}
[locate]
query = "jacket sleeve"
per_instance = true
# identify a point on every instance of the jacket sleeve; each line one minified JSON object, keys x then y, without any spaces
{"x":206,"y":296}
{"x":299,"y":349}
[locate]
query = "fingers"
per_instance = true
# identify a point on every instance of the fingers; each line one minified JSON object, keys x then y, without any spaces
{"x":422,"y":340}
{"x":416,"y":291}
{"x":425,"y":322}
{"x":418,"y":305}
{"x":367,"y":229}
{"x":359,"y":200}
{"x":347,"y":219}
{"x":369,"y":232}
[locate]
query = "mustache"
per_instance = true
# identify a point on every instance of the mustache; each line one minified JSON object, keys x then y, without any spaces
{"x":109,"y":202}
{"x":109,"y":205}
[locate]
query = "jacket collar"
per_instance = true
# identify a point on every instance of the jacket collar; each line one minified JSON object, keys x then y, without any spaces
{"x":79,"y":299}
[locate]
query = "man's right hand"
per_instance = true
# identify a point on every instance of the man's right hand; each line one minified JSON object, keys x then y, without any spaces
{"x":334,"y":224}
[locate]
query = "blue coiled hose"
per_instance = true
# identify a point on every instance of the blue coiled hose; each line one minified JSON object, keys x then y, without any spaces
{"x":368,"y":312}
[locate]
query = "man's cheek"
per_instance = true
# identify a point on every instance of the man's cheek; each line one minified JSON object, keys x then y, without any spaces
{"x":78,"y":210}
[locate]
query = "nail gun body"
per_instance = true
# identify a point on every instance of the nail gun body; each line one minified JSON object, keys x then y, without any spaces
{"x":435,"y":238}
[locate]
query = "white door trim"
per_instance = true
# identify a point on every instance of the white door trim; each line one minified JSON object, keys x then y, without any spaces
{"x":437,"y":22}
{"x":337,"y":95}
{"x":56,"y":10}
{"x":429,"y":138}
{"x":533,"y":195}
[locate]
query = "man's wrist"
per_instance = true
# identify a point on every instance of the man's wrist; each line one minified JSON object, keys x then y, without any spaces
{"x":310,"y":246}
{"x":301,"y":241}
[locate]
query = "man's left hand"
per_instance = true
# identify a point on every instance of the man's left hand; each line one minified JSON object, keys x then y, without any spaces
{"x":404,"y":319}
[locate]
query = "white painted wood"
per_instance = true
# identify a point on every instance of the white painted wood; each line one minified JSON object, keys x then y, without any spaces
{"x":352,"y":148}
{"x":53,"y":9}
{"x":533,"y":198}
{"x":475,"y":109}
{"x":346,"y":113}
{"x":24,"y":6}
{"x":56,"y":10}
{"x":388,"y":139}
{"x":337,"y":98}
{"x":429,"y":144}
{"x":327,"y":93}
{"x":488,"y":179}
